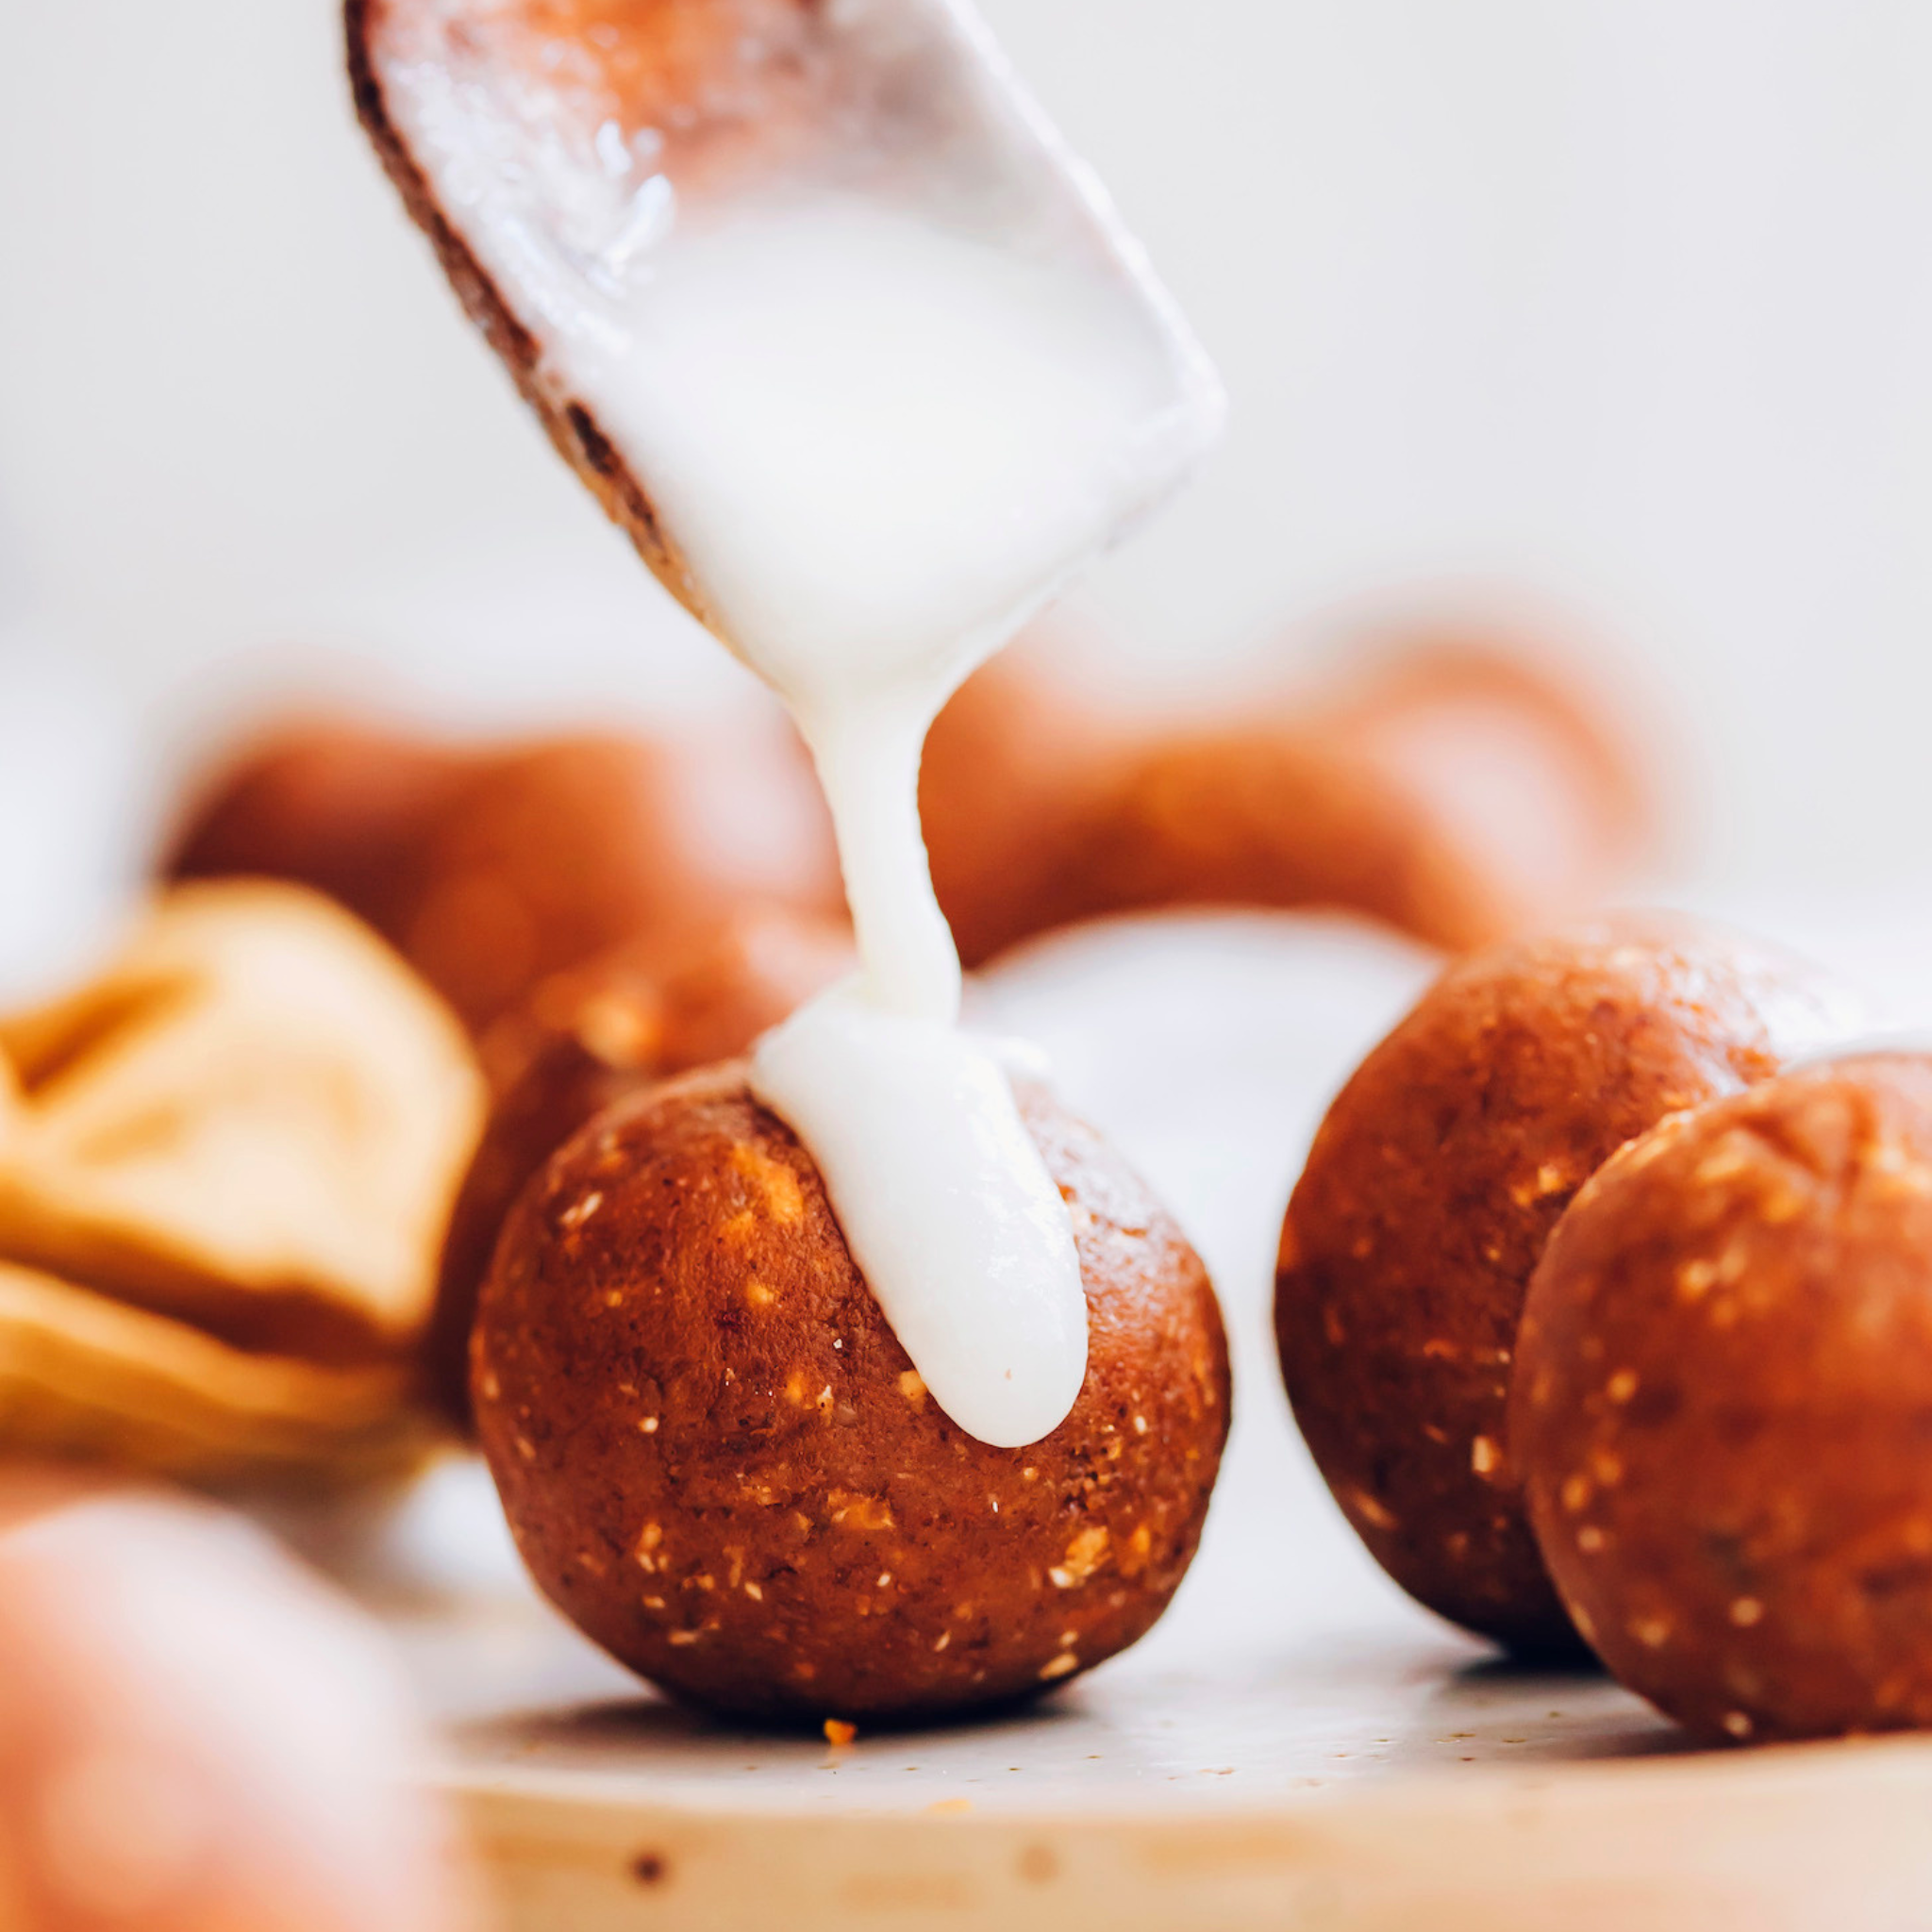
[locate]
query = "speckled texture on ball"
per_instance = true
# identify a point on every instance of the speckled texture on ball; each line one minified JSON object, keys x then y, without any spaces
{"x":593,"y":1035}
{"x":1725,"y":1403}
{"x":718,"y":1462}
{"x":1427,"y":1198}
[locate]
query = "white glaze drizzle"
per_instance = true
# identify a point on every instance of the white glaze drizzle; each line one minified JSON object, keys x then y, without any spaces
{"x":945,"y":1204}
{"x":877,"y":442}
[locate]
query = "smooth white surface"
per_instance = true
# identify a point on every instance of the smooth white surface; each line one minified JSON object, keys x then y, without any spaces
{"x":877,"y":445}
{"x":527,"y":1706}
{"x":945,"y":1204}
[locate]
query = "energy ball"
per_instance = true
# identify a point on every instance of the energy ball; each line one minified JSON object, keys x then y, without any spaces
{"x":558,"y":851}
{"x":1016,"y":780}
{"x":1428,"y":1195}
{"x":718,"y":1462}
{"x":592,"y":1036}
{"x":491,"y":867}
{"x":346,"y":808}
{"x":1723,"y":1396}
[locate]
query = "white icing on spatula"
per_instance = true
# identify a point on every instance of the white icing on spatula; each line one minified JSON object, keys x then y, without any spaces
{"x":885,"y":365}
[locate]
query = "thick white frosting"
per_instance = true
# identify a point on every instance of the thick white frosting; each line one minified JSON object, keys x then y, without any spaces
{"x":945,"y":1204}
{"x":879,"y":426}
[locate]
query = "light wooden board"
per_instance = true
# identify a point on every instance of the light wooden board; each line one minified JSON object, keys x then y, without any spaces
{"x":1389,"y":1778}
{"x":1294,"y":1745}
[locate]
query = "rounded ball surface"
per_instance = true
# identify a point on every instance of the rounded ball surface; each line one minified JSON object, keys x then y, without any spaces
{"x":1722,"y":1396}
{"x":559,"y":850}
{"x":1428,"y":1195}
{"x":1447,"y":788}
{"x":346,"y":808}
{"x":718,"y":1462}
{"x":588,"y":1038}
{"x":492,"y":867}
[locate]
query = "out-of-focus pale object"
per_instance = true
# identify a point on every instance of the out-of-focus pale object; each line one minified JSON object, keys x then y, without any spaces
{"x":87,"y":1379}
{"x":196,"y":1735}
{"x":69,"y":766}
{"x":253,"y":1119}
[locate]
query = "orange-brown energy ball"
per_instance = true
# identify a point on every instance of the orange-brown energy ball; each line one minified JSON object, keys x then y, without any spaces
{"x":593,"y":1035}
{"x":491,"y":867}
{"x":1447,"y":789}
{"x":718,"y":1462}
{"x":1722,"y":1403}
{"x":346,"y":807}
{"x":1018,"y":776}
{"x":1428,"y":1195}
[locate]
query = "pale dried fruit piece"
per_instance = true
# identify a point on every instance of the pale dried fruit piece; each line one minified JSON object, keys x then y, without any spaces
{"x":254,"y":1120}
{"x":83,"y":1377}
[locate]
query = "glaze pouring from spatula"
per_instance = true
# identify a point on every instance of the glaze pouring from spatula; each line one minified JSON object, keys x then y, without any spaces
{"x":825,"y":310}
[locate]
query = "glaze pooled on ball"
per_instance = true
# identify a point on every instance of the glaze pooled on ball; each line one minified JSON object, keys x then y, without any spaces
{"x":1724,"y":1393}
{"x":1427,"y":1198}
{"x":718,"y":1462}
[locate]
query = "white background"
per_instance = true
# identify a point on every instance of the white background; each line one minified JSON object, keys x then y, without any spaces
{"x":1621,"y":304}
